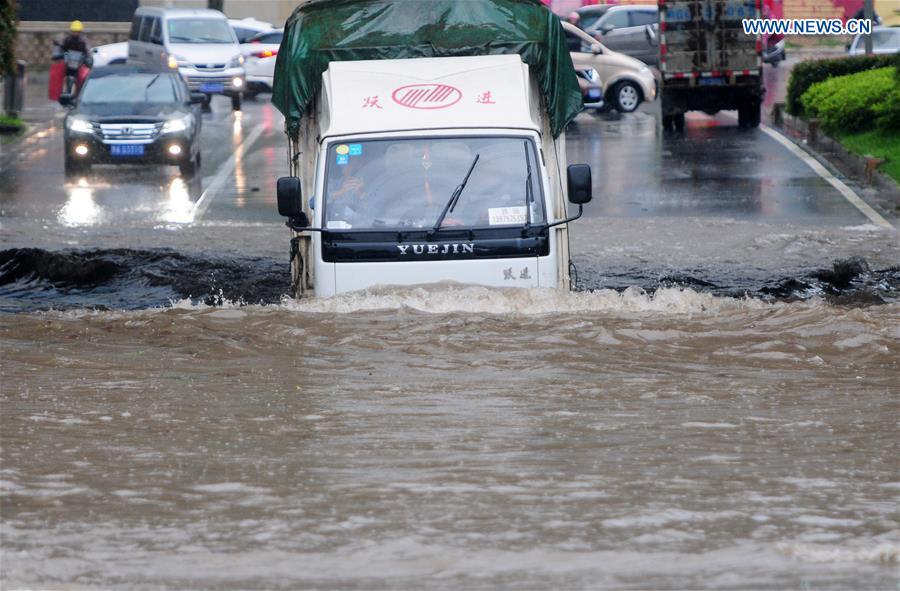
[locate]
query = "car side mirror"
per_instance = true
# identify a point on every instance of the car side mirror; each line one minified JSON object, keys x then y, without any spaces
{"x":290,"y":199}
{"x":579,"y":183}
{"x":650,"y":34}
{"x":197,"y":98}
{"x":596,"y":49}
{"x":606,"y":29}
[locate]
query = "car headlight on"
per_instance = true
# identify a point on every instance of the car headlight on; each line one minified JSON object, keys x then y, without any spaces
{"x":80,"y":126}
{"x":179,"y":61}
{"x":174,"y":125}
{"x":236,"y":61}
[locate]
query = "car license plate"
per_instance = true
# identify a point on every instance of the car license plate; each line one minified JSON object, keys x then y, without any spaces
{"x":126,"y":149}
{"x":593,"y":93}
{"x":212,"y":87}
{"x":712,"y":82}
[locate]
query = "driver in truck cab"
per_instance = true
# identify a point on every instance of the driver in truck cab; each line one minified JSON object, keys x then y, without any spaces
{"x":365,"y":190}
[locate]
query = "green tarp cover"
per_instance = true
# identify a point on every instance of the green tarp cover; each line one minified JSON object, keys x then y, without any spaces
{"x":321,"y":31}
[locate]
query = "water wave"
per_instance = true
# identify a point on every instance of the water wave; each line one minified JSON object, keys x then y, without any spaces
{"x":443,"y":298}
{"x":131,"y":279}
{"x":885,"y":553}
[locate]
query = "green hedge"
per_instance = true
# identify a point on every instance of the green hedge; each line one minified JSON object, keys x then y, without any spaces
{"x":807,"y":73}
{"x":857,"y":102}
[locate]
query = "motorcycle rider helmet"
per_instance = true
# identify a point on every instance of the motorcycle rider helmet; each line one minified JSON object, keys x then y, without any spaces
{"x":76,"y":27}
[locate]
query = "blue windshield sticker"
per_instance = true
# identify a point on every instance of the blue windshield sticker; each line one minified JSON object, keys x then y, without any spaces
{"x":342,"y":159}
{"x":356,"y":149}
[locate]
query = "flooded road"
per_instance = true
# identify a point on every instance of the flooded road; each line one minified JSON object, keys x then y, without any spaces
{"x":714,"y":408}
{"x":505,"y":440}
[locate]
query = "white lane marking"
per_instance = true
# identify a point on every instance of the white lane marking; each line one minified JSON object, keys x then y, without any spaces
{"x":223,"y":173}
{"x":823,"y":172}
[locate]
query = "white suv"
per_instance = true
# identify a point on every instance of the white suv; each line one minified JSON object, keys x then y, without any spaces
{"x":200,"y":43}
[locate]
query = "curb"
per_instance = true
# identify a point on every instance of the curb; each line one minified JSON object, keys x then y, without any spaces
{"x":861,"y":169}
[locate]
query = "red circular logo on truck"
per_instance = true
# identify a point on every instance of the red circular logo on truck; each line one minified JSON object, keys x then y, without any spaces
{"x":427,"y":96}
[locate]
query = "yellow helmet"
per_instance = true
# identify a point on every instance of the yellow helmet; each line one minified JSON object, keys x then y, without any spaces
{"x":76,"y":27}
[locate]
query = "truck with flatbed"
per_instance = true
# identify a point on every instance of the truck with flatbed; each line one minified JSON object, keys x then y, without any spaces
{"x":426,"y":144}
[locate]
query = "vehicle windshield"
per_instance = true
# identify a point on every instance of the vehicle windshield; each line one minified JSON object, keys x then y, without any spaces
{"x":406,"y":183}
{"x":200,"y":30}
{"x":268,"y":38}
{"x":889,"y":39}
{"x":130,"y":88}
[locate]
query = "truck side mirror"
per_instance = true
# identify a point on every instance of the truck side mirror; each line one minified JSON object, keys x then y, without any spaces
{"x":579,"y":181}
{"x":290,"y":202}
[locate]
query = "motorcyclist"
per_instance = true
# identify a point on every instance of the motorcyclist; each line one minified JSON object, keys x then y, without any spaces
{"x":76,"y":41}
{"x":73,"y":58}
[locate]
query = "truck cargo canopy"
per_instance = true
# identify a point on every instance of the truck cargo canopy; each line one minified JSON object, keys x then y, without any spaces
{"x":322,"y":31}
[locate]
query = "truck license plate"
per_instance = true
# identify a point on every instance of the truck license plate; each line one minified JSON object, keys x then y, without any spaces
{"x":212,"y":87}
{"x":126,"y":149}
{"x":712,"y":82}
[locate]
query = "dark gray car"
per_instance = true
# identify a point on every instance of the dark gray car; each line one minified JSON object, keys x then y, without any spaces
{"x":128,"y":114}
{"x":624,"y":29}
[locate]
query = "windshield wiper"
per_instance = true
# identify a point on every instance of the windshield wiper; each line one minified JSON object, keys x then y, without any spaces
{"x":147,"y":88}
{"x":454,"y":198}
{"x":529,"y":191}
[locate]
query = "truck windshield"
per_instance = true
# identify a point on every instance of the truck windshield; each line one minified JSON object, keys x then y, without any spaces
{"x":405,"y":183}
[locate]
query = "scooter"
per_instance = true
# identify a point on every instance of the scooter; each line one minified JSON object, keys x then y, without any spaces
{"x":773,"y":53}
{"x":68,"y":71}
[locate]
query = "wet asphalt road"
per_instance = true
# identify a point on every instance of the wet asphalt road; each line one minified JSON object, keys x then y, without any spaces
{"x":728,"y":210}
{"x":243,"y":154}
{"x":715,"y":170}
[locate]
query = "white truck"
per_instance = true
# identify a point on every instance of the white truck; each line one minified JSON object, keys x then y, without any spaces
{"x":412,"y":171}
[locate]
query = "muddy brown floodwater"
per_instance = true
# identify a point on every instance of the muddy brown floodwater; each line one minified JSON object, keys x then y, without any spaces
{"x":513,"y":440}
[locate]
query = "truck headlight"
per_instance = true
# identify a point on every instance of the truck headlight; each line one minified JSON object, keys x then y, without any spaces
{"x":174,"y":125}
{"x":80,"y":126}
{"x":236,"y":61}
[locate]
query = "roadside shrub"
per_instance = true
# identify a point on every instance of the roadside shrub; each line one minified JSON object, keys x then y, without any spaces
{"x":856,"y":102}
{"x":887,"y":111}
{"x":807,"y":73}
